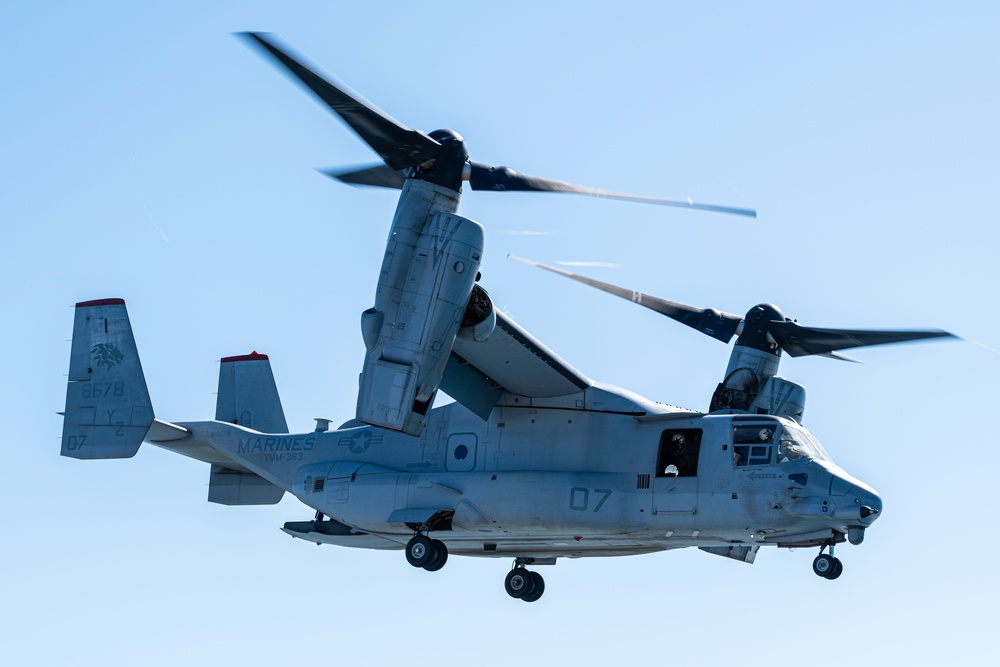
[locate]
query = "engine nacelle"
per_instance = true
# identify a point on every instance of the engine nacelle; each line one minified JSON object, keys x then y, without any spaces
{"x":480,"y":317}
{"x":420,"y":303}
{"x":752,"y":386}
{"x":748,"y":371}
{"x":780,"y":397}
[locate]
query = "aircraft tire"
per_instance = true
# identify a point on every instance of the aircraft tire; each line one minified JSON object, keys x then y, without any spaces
{"x":419,"y":551}
{"x":518,"y":583}
{"x":836,"y":570}
{"x":439,"y":558}
{"x":823,"y":565}
{"x":537,"y":589}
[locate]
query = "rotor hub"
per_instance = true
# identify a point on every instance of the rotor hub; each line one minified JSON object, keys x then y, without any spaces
{"x":447,"y":166}
{"x":755,"y":328}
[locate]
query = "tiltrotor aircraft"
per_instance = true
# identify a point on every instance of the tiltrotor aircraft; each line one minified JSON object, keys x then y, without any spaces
{"x":534,"y":461}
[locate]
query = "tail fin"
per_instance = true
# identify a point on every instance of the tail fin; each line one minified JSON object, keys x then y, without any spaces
{"x":248,"y":395}
{"x":108,"y":410}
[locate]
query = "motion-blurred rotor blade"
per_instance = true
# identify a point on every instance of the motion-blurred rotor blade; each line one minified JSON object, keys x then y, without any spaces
{"x":379,"y":175}
{"x":485,"y":177}
{"x":711,"y":322}
{"x":799,"y":341}
{"x":398,"y":145}
{"x":840,"y":357}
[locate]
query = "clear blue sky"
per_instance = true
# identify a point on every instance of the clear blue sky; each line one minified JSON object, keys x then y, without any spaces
{"x":146,"y":154}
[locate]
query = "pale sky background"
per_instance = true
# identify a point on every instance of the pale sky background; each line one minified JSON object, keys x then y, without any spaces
{"x":147,"y":154}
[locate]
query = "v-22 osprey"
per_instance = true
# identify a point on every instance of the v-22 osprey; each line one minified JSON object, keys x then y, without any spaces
{"x":534,"y":461}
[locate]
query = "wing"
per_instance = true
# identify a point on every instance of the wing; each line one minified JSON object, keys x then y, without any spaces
{"x":511,"y":360}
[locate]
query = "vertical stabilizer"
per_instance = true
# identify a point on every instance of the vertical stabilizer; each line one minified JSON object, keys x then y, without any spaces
{"x":108,"y":410}
{"x":248,"y":395}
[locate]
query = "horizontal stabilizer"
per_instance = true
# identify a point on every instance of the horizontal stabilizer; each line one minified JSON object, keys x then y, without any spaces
{"x":108,"y":410}
{"x":231,"y":487}
{"x":161,"y":431}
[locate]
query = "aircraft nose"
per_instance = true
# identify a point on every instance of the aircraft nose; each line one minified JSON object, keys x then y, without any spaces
{"x":871,"y":504}
{"x":869,"y":508}
{"x":857,"y":500}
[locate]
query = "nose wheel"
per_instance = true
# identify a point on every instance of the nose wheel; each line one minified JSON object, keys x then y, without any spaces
{"x":826,"y":566}
{"x":523,"y":584}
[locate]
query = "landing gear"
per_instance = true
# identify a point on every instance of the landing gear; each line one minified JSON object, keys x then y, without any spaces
{"x":523,"y":584}
{"x":439,"y":558}
{"x":537,"y":590}
{"x":419,"y":551}
{"x":424,"y":552}
{"x":826,"y":566}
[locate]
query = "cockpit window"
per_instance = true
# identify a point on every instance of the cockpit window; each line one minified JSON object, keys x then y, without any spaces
{"x":753,"y":444}
{"x":756,"y":434}
{"x":796,"y":443}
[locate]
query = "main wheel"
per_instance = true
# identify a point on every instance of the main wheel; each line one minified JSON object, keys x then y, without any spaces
{"x":419,"y":551}
{"x":823,"y":565}
{"x":537,"y":590}
{"x":439,"y":557}
{"x":519,"y":583}
{"x":836,"y":571}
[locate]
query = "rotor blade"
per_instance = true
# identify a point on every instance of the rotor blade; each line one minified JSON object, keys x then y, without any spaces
{"x":398,"y":145}
{"x":840,"y":357}
{"x":718,"y":325}
{"x":379,"y":175}
{"x":799,"y":341}
{"x":485,"y":177}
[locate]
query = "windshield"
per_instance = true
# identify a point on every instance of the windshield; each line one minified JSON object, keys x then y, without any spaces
{"x":797,"y":443}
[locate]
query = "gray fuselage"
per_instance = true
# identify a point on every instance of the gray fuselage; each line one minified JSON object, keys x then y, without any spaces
{"x":550,"y":482}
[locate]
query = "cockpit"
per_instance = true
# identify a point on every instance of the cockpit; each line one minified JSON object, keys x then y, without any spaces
{"x":771,"y":440}
{"x":797,"y":443}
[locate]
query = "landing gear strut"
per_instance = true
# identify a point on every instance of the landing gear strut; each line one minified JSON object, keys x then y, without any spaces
{"x":826,"y":566}
{"x":523,"y":584}
{"x":422,"y":551}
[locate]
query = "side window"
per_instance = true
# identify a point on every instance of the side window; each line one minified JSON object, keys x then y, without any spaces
{"x":679,"y":453}
{"x":753,"y":444}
